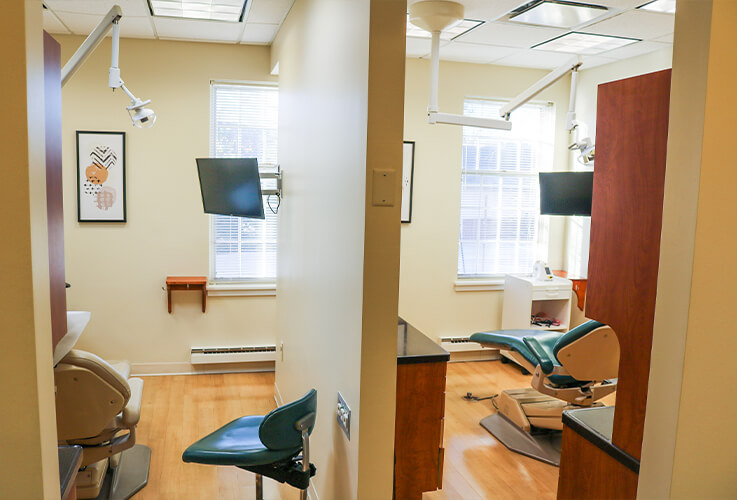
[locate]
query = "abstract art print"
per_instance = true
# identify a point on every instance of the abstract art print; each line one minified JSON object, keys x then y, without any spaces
{"x":101,"y":176}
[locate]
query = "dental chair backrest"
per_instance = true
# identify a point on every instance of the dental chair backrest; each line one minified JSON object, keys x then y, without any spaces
{"x":589,"y":352}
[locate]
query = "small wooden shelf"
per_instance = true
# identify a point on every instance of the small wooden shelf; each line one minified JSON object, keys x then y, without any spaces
{"x":192,"y":283}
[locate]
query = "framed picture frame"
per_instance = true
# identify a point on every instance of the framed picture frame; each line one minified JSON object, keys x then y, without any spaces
{"x":101,"y":176}
{"x":408,"y":170}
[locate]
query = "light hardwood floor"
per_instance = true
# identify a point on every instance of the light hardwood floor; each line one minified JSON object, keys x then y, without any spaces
{"x":178,"y":410}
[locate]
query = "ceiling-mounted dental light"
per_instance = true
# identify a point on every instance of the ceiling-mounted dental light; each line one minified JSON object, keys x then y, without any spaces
{"x":141,"y":116}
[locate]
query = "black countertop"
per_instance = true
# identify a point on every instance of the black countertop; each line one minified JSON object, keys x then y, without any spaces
{"x":595,"y":425}
{"x":70,"y":458}
{"x":414,"y":347}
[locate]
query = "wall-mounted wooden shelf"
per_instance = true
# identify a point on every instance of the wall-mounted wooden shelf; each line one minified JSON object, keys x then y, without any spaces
{"x":192,"y":283}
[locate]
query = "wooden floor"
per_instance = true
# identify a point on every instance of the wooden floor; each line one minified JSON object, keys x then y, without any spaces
{"x":178,"y":410}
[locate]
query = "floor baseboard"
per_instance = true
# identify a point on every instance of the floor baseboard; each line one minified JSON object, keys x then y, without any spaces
{"x":185,"y":368}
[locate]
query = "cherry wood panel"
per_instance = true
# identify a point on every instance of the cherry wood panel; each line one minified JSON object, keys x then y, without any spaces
{"x":54,"y":193}
{"x":418,"y":436}
{"x":588,"y":472}
{"x":626,"y":216}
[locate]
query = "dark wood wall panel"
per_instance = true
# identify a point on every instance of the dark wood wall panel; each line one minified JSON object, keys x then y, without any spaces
{"x":54,"y":194}
{"x":588,"y":472}
{"x":631,"y":144}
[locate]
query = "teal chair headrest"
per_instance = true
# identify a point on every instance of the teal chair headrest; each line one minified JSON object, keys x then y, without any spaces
{"x":575,"y":334}
{"x":278,"y":432}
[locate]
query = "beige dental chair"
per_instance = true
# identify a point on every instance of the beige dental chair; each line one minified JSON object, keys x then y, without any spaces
{"x":98,"y":407}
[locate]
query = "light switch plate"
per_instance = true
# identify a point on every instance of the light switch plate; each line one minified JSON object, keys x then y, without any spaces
{"x":344,"y":416}
{"x":383,"y":188}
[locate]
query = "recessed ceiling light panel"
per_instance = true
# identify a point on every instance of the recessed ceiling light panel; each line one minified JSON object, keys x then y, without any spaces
{"x":584,"y":43}
{"x":209,"y":10}
{"x":449,"y":34}
{"x":557,"y":14}
{"x":664,"y":6}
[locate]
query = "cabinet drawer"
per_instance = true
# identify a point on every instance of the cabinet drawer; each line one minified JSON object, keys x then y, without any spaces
{"x":551,"y":293}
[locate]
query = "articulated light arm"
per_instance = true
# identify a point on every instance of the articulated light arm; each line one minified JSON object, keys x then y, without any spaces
{"x":90,"y":44}
{"x":539,"y":86}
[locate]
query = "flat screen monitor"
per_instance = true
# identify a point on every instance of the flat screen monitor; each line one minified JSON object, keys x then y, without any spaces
{"x":231,"y":186}
{"x":566,"y":193}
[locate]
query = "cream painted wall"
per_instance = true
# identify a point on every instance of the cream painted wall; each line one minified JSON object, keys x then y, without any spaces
{"x":337,"y":322}
{"x":427,"y":297}
{"x":28,"y":459}
{"x":117,"y":270}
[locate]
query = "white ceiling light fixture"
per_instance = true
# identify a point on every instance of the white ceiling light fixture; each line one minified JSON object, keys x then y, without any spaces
{"x":455,"y":31}
{"x":141,"y":116}
{"x":209,"y":10}
{"x":557,"y":14}
{"x":584,"y":43}
{"x":664,"y":6}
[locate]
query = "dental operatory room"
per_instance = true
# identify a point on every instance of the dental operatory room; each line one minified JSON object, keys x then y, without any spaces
{"x":368,"y":249}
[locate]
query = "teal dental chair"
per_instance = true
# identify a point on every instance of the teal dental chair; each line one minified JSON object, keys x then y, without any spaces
{"x":570,"y":370}
{"x":267,"y":445}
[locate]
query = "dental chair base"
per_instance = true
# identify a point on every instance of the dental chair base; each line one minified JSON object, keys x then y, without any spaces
{"x":126,"y":475}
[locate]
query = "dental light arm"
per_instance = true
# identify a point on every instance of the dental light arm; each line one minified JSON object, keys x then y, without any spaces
{"x":141,"y":116}
{"x":539,"y":86}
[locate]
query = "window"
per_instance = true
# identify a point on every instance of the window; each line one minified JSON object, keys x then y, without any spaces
{"x":243,"y":123}
{"x":500,"y":230}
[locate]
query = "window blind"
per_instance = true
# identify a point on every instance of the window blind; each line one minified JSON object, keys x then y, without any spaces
{"x":244,"y":124}
{"x":500,"y":227}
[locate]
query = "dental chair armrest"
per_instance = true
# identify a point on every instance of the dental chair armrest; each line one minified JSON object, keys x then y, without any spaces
{"x":545,"y":361}
{"x":131,"y":414}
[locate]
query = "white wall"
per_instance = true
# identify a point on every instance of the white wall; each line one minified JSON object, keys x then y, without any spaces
{"x":429,"y":263}
{"x":117,"y":271}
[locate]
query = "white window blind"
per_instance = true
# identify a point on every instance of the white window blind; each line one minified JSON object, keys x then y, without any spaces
{"x":500,"y":229}
{"x":243,"y":124}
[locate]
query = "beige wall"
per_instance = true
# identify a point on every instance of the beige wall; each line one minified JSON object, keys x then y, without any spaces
{"x":117,"y":270}
{"x":429,"y":262}
{"x":28,"y":459}
{"x":340,"y":116}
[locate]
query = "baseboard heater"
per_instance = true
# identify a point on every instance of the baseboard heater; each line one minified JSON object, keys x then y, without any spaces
{"x":459,"y":344}
{"x":238,"y":354}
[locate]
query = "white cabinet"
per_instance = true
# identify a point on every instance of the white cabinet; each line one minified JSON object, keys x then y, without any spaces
{"x":524,"y":296}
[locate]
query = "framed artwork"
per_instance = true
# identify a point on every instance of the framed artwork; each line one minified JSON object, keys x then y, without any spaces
{"x":408,"y":167}
{"x":101,"y":176}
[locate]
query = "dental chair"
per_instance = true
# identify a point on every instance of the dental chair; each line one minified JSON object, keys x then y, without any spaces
{"x":276,"y":445}
{"x":570,"y":370}
{"x":98,"y":407}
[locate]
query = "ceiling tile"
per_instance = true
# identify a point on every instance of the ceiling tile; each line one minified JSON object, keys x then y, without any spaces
{"x":52,"y":23}
{"x":486,"y":10}
{"x":536,"y":59}
{"x":261,"y":34}
{"x":130,"y":27}
{"x":418,"y":47}
{"x":508,"y":35}
{"x":634,"y":24}
{"x":136,"y":8}
{"x":475,"y":53}
{"x":268,"y":11}
{"x":594,"y":61}
{"x":636,"y":49}
{"x":664,"y":39}
{"x":621,"y":4}
{"x":189,"y":29}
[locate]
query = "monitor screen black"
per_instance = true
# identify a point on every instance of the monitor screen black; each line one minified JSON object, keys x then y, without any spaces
{"x":566,"y":193}
{"x":231,"y":186}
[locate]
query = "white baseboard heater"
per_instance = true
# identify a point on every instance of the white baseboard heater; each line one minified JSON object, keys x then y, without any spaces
{"x":459,"y":344}
{"x":237,"y":354}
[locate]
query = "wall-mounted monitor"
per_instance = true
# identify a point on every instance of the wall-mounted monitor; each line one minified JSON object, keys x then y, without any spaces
{"x":566,"y":193}
{"x":231,"y":186}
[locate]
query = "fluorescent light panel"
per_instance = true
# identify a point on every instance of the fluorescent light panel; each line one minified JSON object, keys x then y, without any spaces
{"x":664,"y":6}
{"x":209,"y":10}
{"x":584,"y":43}
{"x":453,"y":32}
{"x":559,"y":14}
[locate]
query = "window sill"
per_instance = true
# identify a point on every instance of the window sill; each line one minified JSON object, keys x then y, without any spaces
{"x":479,"y":285}
{"x":221,"y":289}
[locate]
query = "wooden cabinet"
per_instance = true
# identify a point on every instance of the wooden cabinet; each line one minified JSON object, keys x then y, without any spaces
{"x":626,"y":217}
{"x":418,"y":438}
